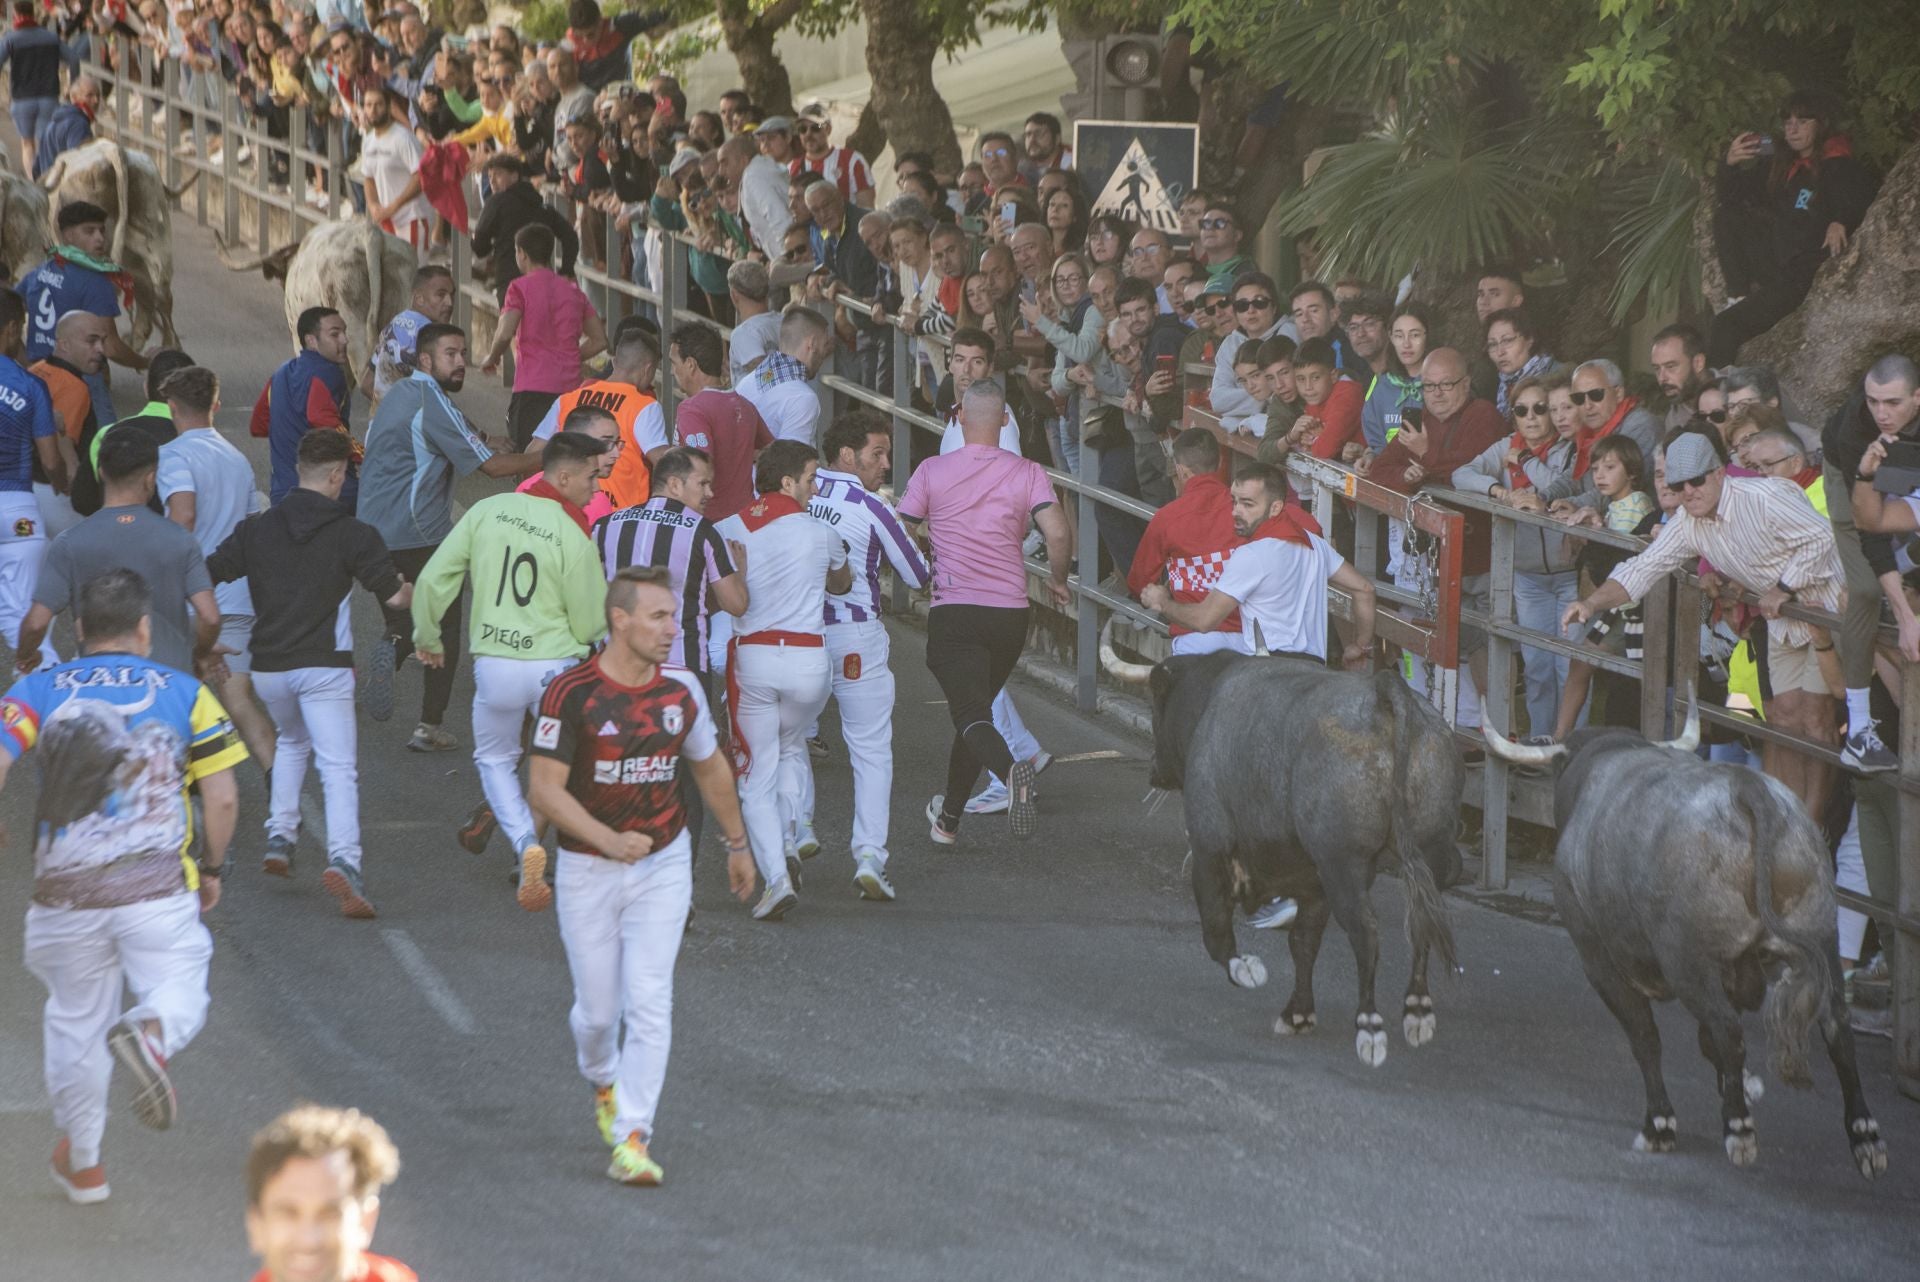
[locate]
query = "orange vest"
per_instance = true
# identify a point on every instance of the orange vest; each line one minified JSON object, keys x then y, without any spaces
{"x":631,"y":480}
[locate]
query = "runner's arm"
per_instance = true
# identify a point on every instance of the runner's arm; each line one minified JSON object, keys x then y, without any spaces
{"x":1360,"y":588}
{"x":503,"y":333}
{"x":220,"y":806}
{"x":206,"y":622}
{"x":594,"y":331}
{"x":47,"y":450}
{"x":120,"y":354}
{"x":547,"y":793}
{"x":1200,"y":616}
{"x":714,"y":777}
{"x":730,"y":593}
{"x":33,"y":630}
{"x":183,"y":508}
{"x":439,"y":585}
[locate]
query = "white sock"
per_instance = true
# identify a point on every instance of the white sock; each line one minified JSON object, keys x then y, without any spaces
{"x":1859,"y":710}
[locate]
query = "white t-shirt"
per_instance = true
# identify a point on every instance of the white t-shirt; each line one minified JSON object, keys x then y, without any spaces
{"x":205,"y":464}
{"x":790,"y":409}
{"x":1282,"y":587}
{"x":952,"y":438}
{"x":788,"y":559}
{"x":389,"y":158}
{"x":752,"y":339}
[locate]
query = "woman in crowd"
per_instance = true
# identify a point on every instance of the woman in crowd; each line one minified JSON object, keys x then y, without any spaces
{"x":1513,"y":345}
{"x":1067,"y":219}
{"x":1398,"y":387}
{"x":1073,"y":331}
{"x":1106,"y":242}
{"x":976,"y":305}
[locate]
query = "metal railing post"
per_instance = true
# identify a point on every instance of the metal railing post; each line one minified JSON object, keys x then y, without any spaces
{"x":902,"y":438}
{"x":1904,"y":953}
{"x":301,"y":212}
{"x":229,"y":168}
{"x":1655,"y":656}
{"x":170,"y":98}
{"x":459,"y":262}
{"x":336,"y":170}
{"x":1087,"y":621}
{"x":673,"y":266}
{"x":1497,"y":709}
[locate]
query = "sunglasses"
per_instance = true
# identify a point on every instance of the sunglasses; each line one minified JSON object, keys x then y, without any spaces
{"x":996,"y":152}
{"x":1715,"y":416}
{"x":805,"y":128}
{"x":1215,"y":224}
{"x":1528,"y":411}
{"x":1693,"y":483}
{"x":1258,"y":303}
{"x":1210,"y":308}
{"x":1595,"y":396}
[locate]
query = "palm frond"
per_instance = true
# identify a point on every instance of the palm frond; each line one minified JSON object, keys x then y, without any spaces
{"x":1652,"y":229}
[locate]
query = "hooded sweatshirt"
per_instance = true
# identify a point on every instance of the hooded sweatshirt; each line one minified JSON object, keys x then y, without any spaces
{"x":301,"y":558}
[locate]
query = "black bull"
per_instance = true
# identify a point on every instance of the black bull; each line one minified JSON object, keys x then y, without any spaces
{"x":1303,"y":781}
{"x":1687,"y":880}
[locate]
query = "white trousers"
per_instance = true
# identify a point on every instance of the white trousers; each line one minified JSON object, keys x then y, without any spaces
{"x":56,"y":510}
{"x":621,"y":926}
{"x":505,"y":693}
{"x":866,"y":723}
{"x":719,"y":632}
{"x":159,"y":949}
{"x":20,"y":557}
{"x":313,"y":709}
{"x":1006,"y":719}
{"x":1209,"y":643}
{"x":782,"y":689}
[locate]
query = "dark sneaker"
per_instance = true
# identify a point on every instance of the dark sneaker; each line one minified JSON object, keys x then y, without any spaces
{"x":478,"y":830}
{"x":1022,"y":806}
{"x":818,"y":748}
{"x":278,"y":861}
{"x":154,"y":1103}
{"x":376,"y":681}
{"x":1863,"y":751}
{"x":431,"y":738}
{"x":342,"y":881}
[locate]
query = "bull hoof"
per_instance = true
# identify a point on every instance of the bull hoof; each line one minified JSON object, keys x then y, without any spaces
{"x":1419,"y":1022}
{"x":1657,"y":1135}
{"x":1290,"y":1023}
{"x":1753,"y":1087}
{"x":1370,"y":1039}
{"x":1743,"y":1146}
{"x":1247,"y":972}
{"x":1869,"y":1150}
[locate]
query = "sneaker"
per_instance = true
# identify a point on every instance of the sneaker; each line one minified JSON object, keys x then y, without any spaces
{"x":431,"y":738}
{"x":1040,"y":761}
{"x":774,"y":904}
{"x":1274,"y":916}
{"x":1021,"y":810}
{"x":478,"y":830}
{"x":604,"y":1112}
{"x":944,"y":831}
{"x":793,"y":865}
{"x":871,"y":878}
{"x":533,"y":893}
{"x":342,"y":881}
{"x":805,"y":844}
{"x":1864,"y":752}
{"x":632,"y":1165}
{"x":154,"y":1104}
{"x":817,"y":747}
{"x":990,"y":800}
{"x":84,"y":1187}
{"x":376,"y":685}
{"x":278,"y":861}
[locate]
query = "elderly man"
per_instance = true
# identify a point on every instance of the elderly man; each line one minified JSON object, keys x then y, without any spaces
{"x":1762,"y":533}
{"x":844,"y":264}
{"x":1604,"y":408}
{"x":756,"y":326}
{"x":70,"y":126}
{"x":1256,"y":315}
{"x":1032,"y":247}
{"x":1148,"y":254}
{"x":762,"y":185}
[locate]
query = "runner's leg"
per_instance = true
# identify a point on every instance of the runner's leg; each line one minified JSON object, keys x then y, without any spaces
{"x":71,"y":951}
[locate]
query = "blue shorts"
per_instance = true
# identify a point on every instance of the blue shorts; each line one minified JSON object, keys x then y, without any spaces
{"x":30,"y":113}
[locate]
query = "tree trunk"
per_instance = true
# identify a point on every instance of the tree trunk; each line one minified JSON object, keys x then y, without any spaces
{"x":1863,"y":305}
{"x":900,"y":51}
{"x":869,"y":137}
{"x":749,"y":38}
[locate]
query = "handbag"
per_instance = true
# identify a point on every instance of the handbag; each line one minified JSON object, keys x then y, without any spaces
{"x":1104,"y":427}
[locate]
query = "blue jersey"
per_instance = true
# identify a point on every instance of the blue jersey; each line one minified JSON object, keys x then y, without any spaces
{"x":26,"y":415}
{"x":57,"y":287}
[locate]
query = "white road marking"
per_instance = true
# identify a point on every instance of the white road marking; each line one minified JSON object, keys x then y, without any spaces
{"x":1104,"y":754}
{"x":429,"y":982}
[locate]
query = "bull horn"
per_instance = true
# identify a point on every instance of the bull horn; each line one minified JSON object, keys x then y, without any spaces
{"x":1690,"y":733}
{"x":1136,"y":673}
{"x":1520,"y":754}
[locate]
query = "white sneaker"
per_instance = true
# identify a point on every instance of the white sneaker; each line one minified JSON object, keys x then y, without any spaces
{"x":871,"y":878}
{"x":990,"y":800}
{"x":774,"y":904}
{"x":805,"y":844}
{"x":1275,"y":916}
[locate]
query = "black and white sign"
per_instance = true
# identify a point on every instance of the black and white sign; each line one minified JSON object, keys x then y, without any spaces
{"x":1137,"y":170}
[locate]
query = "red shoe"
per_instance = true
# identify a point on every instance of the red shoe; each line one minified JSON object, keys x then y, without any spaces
{"x":83,"y":1188}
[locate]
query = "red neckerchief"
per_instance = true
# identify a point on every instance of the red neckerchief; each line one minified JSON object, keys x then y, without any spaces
{"x":766,"y":509}
{"x":373,"y":1268}
{"x":591,"y":48}
{"x":1518,"y":475}
{"x":1806,"y":476}
{"x":1838,"y":145}
{"x":19,"y":22}
{"x":542,"y":488}
{"x":1583,"y":443}
{"x":1287,"y":524}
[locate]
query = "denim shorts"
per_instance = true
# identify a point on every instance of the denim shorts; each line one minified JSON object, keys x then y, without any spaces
{"x":30,"y":113}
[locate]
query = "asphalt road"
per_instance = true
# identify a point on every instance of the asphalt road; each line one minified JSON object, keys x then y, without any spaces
{"x":1025,"y":1068}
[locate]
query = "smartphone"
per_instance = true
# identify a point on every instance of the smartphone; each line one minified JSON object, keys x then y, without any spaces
{"x":1766,"y":144}
{"x":1164,"y":364}
{"x":1007,"y":213}
{"x":1411,"y":418}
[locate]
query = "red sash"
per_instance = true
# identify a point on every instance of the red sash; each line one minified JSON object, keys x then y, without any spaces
{"x":1518,"y":474}
{"x":1583,"y":444}
{"x":1288,"y":525}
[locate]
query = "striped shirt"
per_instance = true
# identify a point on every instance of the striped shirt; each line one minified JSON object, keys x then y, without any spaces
{"x":1764,"y":532}
{"x":844,"y":167}
{"x":668,"y":533}
{"x":869,"y":530}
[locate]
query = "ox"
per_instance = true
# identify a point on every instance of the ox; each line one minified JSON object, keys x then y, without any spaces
{"x":139,"y":209}
{"x":353,"y":267}
{"x":1717,"y":893}
{"x":1304,"y":781}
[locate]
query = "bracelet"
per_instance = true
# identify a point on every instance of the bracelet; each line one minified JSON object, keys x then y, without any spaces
{"x":737,"y":843}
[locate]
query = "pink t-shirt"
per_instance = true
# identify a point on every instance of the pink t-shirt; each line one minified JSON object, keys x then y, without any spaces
{"x":546,"y":347}
{"x":977,"y":503}
{"x":601,"y":504}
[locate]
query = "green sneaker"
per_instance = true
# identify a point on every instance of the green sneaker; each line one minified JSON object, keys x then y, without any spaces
{"x":631,"y":1165}
{"x":603,"y":1113}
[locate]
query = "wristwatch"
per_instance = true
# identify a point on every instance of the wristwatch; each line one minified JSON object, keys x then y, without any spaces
{"x":216,"y":871}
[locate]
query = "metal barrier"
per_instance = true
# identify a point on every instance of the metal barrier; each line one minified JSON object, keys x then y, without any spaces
{"x":153,"y":113}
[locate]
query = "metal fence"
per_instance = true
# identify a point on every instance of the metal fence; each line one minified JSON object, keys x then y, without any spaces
{"x":151,"y":110}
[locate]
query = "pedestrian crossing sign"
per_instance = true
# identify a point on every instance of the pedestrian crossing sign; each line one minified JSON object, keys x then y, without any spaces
{"x":1135,"y":193}
{"x":1138,"y":171}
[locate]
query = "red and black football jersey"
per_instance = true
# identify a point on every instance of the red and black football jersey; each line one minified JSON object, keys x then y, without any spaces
{"x":623,"y":746}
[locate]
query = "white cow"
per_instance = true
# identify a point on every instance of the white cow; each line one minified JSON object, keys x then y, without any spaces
{"x":139,"y":208}
{"x":353,"y":267}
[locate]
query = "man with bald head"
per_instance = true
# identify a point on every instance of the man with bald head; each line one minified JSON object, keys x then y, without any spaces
{"x":79,"y":354}
{"x":575,"y":102}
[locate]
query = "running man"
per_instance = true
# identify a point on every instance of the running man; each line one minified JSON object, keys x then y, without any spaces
{"x":973,"y":506}
{"x":859,"y":451}
{"x":115,"y":897}
{"x":301,"y":558}
{"x":393,"y":356}
{"x":538,"y":601}
{"x":626,"y":394}
{"x":777,"y":667}
{"x":29,"y":453}
{"x":626,"y":865}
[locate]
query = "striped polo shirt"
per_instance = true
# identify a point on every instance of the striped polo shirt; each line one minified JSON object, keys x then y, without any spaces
{"x":668,"y":533}
{"x":870,"y":531}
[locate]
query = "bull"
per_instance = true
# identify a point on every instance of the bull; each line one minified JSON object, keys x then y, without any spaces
{"x":1303,"y":781}
{"x":353,"y":267}
{"x":1717,"y":893}
{"x":139,"y":208}
{"x":25,"y":224}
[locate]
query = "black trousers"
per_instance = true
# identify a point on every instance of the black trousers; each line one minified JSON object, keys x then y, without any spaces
{"x":1768,"y":303}
{"x":524,"y":412}
{"x":439,"y":681}
{"x":971,"y":650}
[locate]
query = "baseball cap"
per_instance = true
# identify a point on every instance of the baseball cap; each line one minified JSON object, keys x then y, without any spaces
{"x":1689,"y":458}
{"x":814,"y":111}
{"x":682,"y":159}
{"x":775,"y":124}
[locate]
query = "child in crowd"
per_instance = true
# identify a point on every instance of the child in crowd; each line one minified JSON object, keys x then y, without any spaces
{"x":1620,"y":475}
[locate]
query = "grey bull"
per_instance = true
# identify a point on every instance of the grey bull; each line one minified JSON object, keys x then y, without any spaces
{"x":1681,"y":879}
{"x":353,"y":267}
{"x":1305,"y":781}
{"x":139,"y":208}
{"x":26,"y":235}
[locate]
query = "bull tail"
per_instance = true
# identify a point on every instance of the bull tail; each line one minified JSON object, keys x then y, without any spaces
{"x":376,"y":253}
{"x":1798,"y":1001}
{"x":175,"y":193}
{"x":1427,"y":923}
{"x":118,"y":159}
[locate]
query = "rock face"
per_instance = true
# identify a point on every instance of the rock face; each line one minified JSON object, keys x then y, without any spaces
{"x":1863,"y":305}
